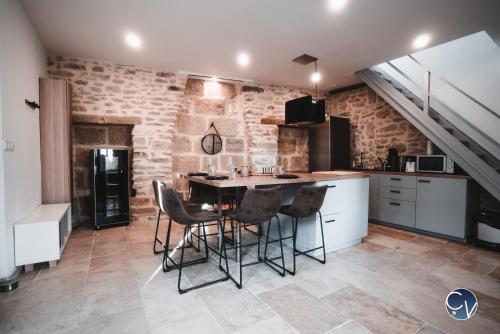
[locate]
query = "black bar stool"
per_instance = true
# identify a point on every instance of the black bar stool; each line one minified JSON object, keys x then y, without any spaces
{"x":175,"y":209}
{"x":257,"y":206}
{"x":307,"y":202}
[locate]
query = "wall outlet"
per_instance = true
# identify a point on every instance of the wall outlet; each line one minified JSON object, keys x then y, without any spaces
{"x":8,"y":146}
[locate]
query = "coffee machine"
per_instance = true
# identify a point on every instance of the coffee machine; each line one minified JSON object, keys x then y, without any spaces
{"x":393,"y":160}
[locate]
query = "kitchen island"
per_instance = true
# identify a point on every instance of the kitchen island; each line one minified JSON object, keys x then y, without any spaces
{"x":344,"y":211}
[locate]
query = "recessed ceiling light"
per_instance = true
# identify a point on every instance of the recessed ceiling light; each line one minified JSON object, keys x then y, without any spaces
{"x":316,"y":77}
{"x":337,"y":5}
{"x":243,"y":59}
{"x":133,"y":40}
{"x":421,"y":41}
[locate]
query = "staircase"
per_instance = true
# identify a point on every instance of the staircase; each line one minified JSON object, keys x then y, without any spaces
{"x":469,"y":146}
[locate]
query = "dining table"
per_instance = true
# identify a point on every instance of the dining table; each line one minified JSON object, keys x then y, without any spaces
{"x":266,"y":180}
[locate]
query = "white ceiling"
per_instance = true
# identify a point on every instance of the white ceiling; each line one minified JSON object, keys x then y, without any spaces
{"x":205,"y":36}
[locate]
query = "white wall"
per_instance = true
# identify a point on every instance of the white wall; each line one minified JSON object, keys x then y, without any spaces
{"x":22,"y":62}
{"x":473,"y":64}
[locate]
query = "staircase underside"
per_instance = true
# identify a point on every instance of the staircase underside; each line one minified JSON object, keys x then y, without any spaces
{"x":484,"y":174}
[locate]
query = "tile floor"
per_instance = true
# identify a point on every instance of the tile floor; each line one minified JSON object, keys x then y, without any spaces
{"x":394,"y":282}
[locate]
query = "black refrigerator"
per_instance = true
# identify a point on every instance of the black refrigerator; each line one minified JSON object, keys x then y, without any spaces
{"x":330,"y":145}
{"x":110,"y":187}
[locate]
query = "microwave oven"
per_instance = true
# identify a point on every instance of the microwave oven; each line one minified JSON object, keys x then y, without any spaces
{"x":435,"y":164}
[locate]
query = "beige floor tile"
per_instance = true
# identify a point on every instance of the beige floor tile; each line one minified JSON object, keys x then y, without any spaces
{"x":106,"y":247}
{"x":371,"y":312}
{"x":306,"y":313}
{"x":141,"y":249}
{"x":349,"y":327}
{"x":411,"y":273}
{"x":233,"y":308}
{"x":428,"y":329}
{"x":489,"y":307}
{"x":129,"y":322}
{"x":275,"y":325}
{"x":495,"y":274}
{"x":119,"y":261}
{"x":456,"y":277}
{"x":166,"y":308}
{"x":80,"y":246}
{"x":68,"y":264}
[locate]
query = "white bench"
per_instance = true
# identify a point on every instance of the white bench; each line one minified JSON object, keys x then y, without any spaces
{"x":42,"y":235}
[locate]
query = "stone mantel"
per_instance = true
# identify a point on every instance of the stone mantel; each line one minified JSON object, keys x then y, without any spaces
{"x":112,"y":120}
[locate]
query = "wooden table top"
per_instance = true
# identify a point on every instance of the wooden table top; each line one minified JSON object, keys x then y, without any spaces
{"x":264,"y":180}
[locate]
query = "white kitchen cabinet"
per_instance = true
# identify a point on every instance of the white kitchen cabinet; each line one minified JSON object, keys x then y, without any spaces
{"x":373,"y":197}
{"x":441,"y":205}
{"x":398,"y":181}
{"x":397,"y":212}
{"x":345,"y":216}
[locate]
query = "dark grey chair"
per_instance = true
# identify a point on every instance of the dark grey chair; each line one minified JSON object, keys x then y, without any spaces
{"x":176,"y":211}
{"x":307,"y":202}
{"x":158,"y":187}
{"x":257,"y":206}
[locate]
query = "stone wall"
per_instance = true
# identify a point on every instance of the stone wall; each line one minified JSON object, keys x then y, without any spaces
{"x":85,"y":138}
{"x":149,"y":98}
{"x":170,"y":115}
{"x":375,"y":126}
{"x":293,"y":149}
{"x":267,"y":101}
{"x":197,"y":113}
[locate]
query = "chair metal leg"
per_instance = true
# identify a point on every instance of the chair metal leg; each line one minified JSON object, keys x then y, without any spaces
{"x":199,"y":235}
{"x":185,"y":235}
{"x":205,"y":240}
{"x":294,"y":228}
{"x":270,"y":261}
{"x":322,"y":238}
{"x":240,"y":255}
{"x":306,"y":252}
{"x":267,"y":238}
{"x":281,"y":248}
{"x":166,"y":267}
{"x":156,"y":241}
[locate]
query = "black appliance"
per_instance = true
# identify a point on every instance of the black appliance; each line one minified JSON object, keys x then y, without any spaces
{"x":329,"y":145}
{"x":110,"y":187}
{"x":393,"y":160}
{"x":304,"y":111}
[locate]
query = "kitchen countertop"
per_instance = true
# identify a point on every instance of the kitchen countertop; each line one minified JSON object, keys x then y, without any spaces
{"x":263,"y":180}
{"x":440,"y":175}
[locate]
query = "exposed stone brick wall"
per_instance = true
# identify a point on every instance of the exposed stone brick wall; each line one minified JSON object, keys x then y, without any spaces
{"x":375,"y":126}
{"x":171,"y":114}
{"x":197,"y":113}
{"x":85,"y":138}
{"x":153,"y":96}
{"x":293,"y":149}
{"x":261,"y":101}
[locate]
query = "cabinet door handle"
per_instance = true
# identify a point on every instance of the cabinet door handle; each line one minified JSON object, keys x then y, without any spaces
{"x":396,"y":204}
{"x":329,"y":221}
{"x":395,"y":179}
{"x":424,"y":181}
{"x":395,"y":191}
{"x":332,"y":186}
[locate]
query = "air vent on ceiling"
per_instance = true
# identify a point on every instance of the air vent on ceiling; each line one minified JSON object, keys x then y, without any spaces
{"x":305,"y":59}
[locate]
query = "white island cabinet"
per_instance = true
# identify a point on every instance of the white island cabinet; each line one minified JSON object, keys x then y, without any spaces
{"x":344,"y":212}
